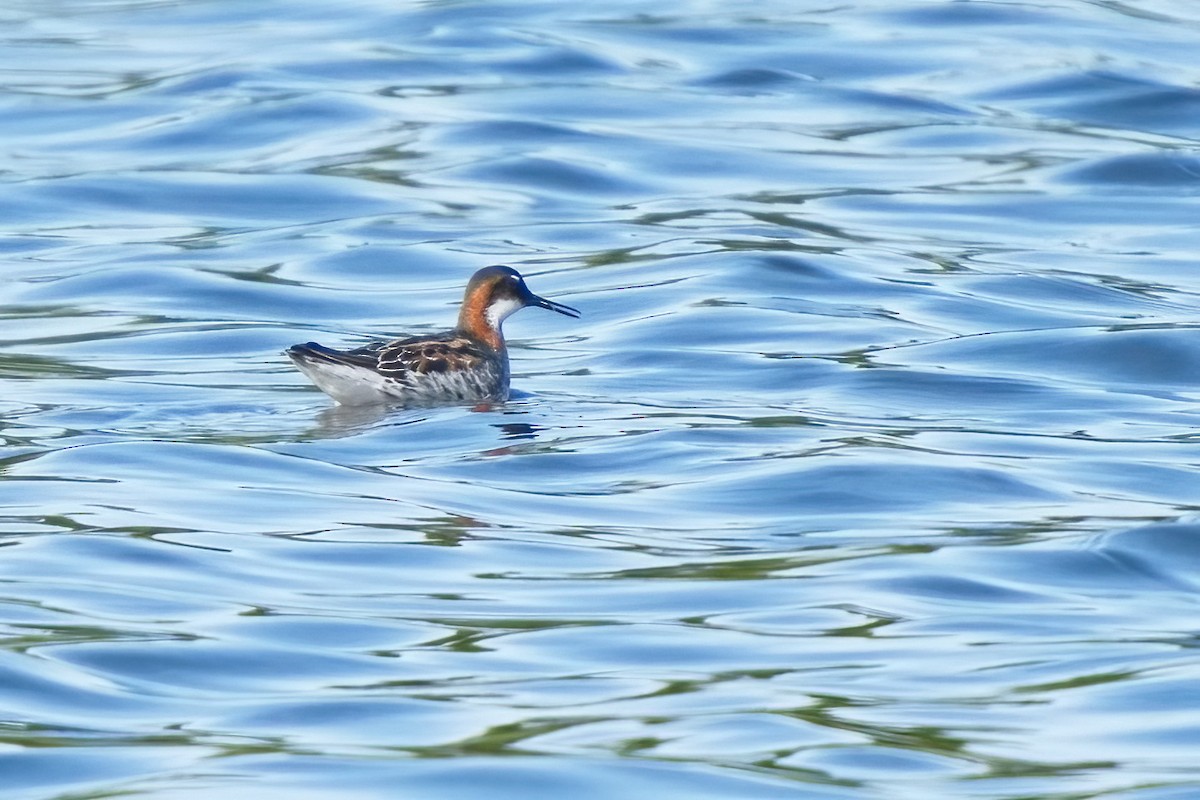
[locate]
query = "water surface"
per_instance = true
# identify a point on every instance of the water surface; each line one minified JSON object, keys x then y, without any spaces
{"x":869,"y":472}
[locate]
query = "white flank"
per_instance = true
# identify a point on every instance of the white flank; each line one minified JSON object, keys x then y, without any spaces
{"x":350,"y":386}
{"x":358,"y":386}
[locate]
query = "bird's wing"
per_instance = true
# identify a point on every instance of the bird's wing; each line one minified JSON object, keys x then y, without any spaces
{"x":313,"y":351}
{"x":425,"y":354}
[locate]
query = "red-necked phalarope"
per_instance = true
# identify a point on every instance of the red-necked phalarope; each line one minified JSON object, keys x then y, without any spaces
{"x":467,"y":364}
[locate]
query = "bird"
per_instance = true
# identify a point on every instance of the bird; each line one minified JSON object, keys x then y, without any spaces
{"x":466,"y":364}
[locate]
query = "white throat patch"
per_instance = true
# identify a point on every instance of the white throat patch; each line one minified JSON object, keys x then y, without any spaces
{"x":501,"y":310}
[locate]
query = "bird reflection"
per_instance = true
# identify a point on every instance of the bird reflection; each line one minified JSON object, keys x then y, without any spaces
{"x":341,"y":421}
{"x":519,"y":430}
{"x":344,"y":420}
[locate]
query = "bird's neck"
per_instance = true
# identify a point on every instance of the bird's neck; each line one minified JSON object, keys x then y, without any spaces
{"x":474,"y":321}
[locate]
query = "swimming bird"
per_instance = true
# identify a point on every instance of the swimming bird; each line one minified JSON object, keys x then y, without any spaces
{"x":467,"y":364}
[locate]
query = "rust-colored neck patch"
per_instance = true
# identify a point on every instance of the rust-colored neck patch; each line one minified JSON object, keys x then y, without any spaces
{"x":473,"y":320}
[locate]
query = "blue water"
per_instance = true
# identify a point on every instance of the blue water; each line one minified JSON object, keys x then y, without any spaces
{"x":869,"y":473}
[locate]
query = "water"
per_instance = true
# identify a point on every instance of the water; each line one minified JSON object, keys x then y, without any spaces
{"x":869,"y":472}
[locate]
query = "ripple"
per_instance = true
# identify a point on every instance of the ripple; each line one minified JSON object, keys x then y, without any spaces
{"x":1162,"y":171}
{"x":1108,"y":98}
{"x":1151,"y":360}
{"x":554,"y":176}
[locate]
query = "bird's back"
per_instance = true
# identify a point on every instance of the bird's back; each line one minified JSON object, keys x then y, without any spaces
{"x":419,"y":369}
